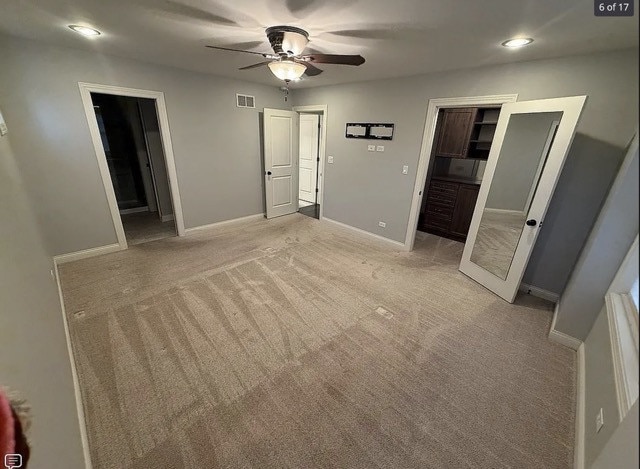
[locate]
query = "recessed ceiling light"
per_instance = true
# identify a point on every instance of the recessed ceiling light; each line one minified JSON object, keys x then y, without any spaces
{"x":84,"y":30}
{"x":517,"y":42}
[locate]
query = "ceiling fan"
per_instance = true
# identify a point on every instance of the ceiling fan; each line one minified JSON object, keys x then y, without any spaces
{"x":287,"y":61}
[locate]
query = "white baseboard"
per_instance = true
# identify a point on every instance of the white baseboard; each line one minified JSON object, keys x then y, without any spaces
{"x":578,"y":447}
{"x":561,"y":337}
{"x":539,"y":292}
{"x":257,"y":216}
{"x":74,"y":375}
{"x":167,"y":217}
{"x":76,"y":256}
{"x":392,"y":242}
{"x":127,"y":211}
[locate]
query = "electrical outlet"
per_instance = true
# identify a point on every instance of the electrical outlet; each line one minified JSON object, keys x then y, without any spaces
{"x":371,"y":148}
{"x":405,"y":169}
{"x":330,"y":159}
{"x":599,"y":420}
{"x":380,"y":148}
{"x":382,"y":224}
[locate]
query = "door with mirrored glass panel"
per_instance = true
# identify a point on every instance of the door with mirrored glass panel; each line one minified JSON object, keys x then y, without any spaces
{"x":529,"y":149}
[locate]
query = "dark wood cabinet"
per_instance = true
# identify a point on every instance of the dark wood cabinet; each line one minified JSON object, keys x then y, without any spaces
{"x":466,"y":132}
{"x":455,"y":132}
{"x":449,"y":208}
{"x":461,"y":146}
{"x":463,"y":211}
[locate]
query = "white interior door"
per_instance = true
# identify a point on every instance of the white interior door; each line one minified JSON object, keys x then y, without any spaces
{"x":527,"y":156}
{"x":309,"y":126}
{"x":281,"y":161}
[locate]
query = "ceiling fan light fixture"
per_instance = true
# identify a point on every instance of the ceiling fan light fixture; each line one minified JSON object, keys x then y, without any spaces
{"x":287,"y":70}
{"x":517,"y":42}
{"x":294,"y":43}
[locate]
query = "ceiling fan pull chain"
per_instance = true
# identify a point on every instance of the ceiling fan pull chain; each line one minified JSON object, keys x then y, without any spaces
{"x":285,"y":90}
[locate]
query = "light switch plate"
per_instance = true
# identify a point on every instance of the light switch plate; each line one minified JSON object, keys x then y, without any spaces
{"x":330,"y":159}
{"x":371,"y":148}
{"x":405,"y":169}
{"x":380,"y":148}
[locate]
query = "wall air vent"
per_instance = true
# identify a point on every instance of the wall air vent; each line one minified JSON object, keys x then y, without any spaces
{"x":243,"y":100}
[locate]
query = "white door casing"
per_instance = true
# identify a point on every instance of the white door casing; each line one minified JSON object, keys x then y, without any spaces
{"x":281,"y":161}
{"x":571,"y":109}
{"x":323,"y":111}
{"x":85,"y":93}
{"x":309,"y":127}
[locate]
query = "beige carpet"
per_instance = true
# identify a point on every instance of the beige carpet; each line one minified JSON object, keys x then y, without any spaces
{"x":143,"y":227}
{"x":290,"y":344}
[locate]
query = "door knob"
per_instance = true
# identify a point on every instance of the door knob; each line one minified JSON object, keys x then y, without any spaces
{"x":532,"y":222}
{"x":268,"y":173}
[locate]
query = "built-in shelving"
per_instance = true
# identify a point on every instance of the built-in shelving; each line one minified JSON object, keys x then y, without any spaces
{"x":482,"y":133}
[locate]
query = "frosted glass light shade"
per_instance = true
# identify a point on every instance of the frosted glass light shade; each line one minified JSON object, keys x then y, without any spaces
{"x":287,"y":69}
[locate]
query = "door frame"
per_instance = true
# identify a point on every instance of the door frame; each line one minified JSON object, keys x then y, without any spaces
{"x":163,"y":120}
{"x":323,"y":109}
{"x":428,"y":138}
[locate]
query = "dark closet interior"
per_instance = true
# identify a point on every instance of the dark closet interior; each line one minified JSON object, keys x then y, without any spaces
{"x":461,"y":147}
{"x":120,"y":150}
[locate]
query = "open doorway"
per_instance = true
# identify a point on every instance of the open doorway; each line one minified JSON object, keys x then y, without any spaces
{"x":283,"y":170}
{"x":130,"y":136}
{"x":309,"y":164}
{"x":150,"y":194}
{"x":457,"y":139}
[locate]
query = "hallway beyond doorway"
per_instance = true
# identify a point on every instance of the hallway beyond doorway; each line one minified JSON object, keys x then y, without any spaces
{"x":312,"y":210}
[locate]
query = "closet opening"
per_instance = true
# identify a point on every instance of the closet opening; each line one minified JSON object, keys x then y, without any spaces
{"x":458,"y":158}
{"x":457,"y":139}
{"x":132,"y":143}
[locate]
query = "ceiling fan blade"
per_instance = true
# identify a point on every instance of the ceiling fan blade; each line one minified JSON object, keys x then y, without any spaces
{"x":266,"y":56}
{"x":312,"y":70}
{"x":176,"y":8}
{"x":259,"y":64}
{"x":334,"y":59}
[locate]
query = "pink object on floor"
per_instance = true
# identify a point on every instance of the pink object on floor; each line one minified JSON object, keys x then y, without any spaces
{"x":7,"y":426}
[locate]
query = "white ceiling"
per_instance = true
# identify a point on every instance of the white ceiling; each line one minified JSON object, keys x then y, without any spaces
{"x":397,"y":37}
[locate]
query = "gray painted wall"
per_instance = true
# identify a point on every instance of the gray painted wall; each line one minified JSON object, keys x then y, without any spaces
{"x":608,"y":244}
{"x":621,"y":451}
{"x":216,"y":145}
{"x":600,"y":388}
{"x":519,"y":159}
{"x":362,"y":188}
{"x":33,"y":349}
